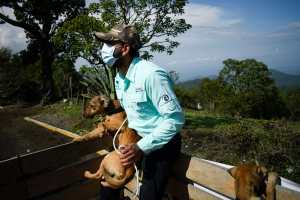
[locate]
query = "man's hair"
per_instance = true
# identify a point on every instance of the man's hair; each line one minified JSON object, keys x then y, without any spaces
{"x":134,"y":53}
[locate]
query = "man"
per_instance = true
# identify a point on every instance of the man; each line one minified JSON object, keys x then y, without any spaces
{"x":145,"y":92}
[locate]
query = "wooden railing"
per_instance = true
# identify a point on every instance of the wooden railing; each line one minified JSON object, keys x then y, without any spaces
{"x":57,"y":173}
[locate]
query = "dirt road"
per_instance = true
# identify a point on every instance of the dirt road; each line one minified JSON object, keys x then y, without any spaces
{"x":18,"y":136}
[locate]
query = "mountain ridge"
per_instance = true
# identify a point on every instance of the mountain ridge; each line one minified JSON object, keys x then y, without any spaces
{"x":282,"y":80}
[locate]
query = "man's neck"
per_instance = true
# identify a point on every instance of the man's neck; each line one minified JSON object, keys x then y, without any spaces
{"x":124,"y":66}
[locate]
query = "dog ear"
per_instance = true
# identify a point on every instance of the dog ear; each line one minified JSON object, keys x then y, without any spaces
{"x":262,"y":171}
{"x":273,"y":178}
{"x":232,"y":171}
{"x":104,"y":101}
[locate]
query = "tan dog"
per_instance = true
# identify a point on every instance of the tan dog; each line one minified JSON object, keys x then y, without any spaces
{"x":111,"y":172}
{"x":113,"y":112}
{"x":101,"y":105}
{"x":254,"y":182}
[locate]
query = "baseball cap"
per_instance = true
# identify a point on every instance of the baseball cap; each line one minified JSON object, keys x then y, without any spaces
{"x":123,"y":33}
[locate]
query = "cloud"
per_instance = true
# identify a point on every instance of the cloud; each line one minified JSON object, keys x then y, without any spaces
{"x":290,"y":31}
{"x":10,"y":36}
{"x":294,"y":25}
{"x":201,"y":15}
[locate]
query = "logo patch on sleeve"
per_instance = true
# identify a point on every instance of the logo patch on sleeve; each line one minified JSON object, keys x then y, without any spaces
{"x":166,"y":98}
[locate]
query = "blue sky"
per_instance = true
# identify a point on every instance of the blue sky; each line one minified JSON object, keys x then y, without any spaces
{"x":267,"y":30}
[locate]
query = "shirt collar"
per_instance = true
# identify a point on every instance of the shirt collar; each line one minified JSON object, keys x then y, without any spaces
{"x":130,"y":75}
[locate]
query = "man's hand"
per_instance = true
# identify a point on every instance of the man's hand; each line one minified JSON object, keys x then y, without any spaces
{"x":130,"y":153}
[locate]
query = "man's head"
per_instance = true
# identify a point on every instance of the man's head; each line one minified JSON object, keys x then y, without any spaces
{"x":119,"y":42}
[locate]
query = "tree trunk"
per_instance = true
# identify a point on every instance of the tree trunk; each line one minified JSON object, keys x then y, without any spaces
{"x":47,"y":58}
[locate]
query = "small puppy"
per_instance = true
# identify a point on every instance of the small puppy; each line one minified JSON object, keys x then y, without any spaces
{"x":114,"y":116}
{"x":100,"y":105}
{"x":111,"y":172}
{"x":254,"y":182}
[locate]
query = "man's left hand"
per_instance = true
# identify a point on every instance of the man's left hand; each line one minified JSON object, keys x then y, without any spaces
{"x":130,"y":153}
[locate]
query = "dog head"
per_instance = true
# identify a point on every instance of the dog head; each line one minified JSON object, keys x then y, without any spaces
{"x":97,"y":105}
{"x":250,"y":181}
{"x":113,"y":122}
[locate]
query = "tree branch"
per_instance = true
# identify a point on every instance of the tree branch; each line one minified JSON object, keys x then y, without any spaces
{"x":159,"y":42}
{"x":31,"y":29}
{"x":123,"y":4}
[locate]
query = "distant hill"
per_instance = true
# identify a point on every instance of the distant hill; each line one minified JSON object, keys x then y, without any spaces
{"x":282,"y":80}
{"x":195,"y":82}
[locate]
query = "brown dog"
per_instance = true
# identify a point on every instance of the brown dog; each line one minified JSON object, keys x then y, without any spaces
{"x":101,"y":105}
{"x":104,"y":106}
{"x":254,"y":182}
{"x":111,"y":172}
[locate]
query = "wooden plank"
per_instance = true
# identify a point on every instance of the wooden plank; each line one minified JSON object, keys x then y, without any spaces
{"x":180,"y":190}
{"x":9,"y":171}
{"x":286,"y":194}
{"x":80,"y":191}
{"x":63,"y":177}
{"x":205,"y":174}
{"x":176,"y":189}
{"x":52,"y":128}
{"x":14,"y":191}
{"x":216,"y":178}
{"x":54,"y":157}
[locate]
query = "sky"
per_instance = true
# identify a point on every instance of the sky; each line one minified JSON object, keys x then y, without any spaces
{"x":266,"y":30}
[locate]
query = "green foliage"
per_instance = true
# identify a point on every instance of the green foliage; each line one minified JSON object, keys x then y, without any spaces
{"x":201,"y":119}
{"x":187,"y":98}
{"x":252,"y":91}
{"x":273,"y":143}
{"x":212,"y":94}
{"x":8,"y":75}
{"x":40,"y":20}
{"x":21,"y":81}
{"x":293,"y":103}
{"x":18,"y":82}
{"x":75,"y":38}
{"x":66,"y":79}
{"x":98,"y":80}
{"x":157,"y":21}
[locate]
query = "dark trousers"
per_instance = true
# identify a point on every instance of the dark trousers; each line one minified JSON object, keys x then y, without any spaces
{"x":156,"y":168}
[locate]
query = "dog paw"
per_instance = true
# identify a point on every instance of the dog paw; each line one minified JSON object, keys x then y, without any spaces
{"x":78,"y":139}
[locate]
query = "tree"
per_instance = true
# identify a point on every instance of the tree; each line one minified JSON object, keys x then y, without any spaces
{"x":40,"y":20}
{"x":211,"y":94}
{"x":254,"y":92}
{"x":18,"y":82}
{"x":187,"y":97}
{"x":158,"y":22}
{"x":293,"y":103}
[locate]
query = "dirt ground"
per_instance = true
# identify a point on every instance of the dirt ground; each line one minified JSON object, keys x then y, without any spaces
{"x":18,"y":136}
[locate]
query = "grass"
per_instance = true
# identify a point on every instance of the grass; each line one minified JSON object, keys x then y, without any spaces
{"x":273,"y":143}
{"x":67,"y":116}
{"x":201,"y":119}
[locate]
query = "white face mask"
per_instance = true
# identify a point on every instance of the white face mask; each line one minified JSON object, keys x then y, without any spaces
{"x":107,"y":53}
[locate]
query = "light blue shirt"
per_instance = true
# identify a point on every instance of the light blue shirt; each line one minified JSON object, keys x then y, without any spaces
{"x":146,"y":93}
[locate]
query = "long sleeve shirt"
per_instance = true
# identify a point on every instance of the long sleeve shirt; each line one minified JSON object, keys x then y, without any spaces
{"x":146,"y":93}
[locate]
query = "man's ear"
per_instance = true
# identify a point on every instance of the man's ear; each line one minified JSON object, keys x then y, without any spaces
{"x":126,"y":49}
{"x":232,"y":171}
